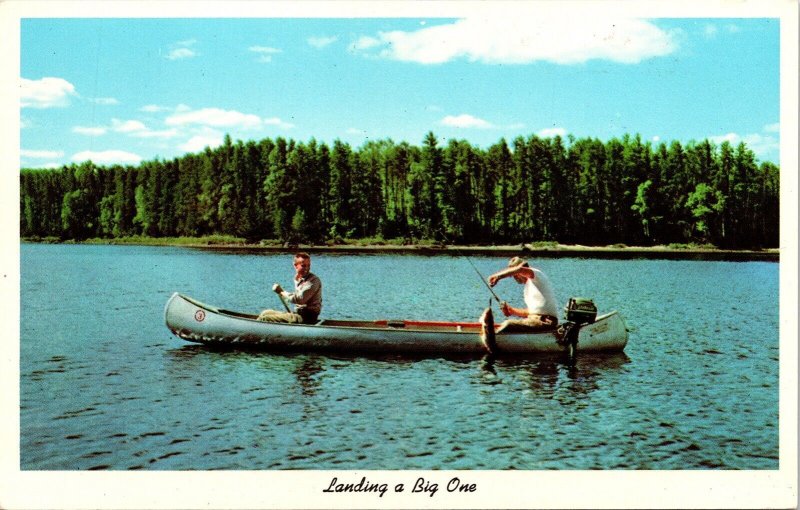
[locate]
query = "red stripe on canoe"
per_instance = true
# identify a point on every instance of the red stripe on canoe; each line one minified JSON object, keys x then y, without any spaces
{"x":432,"y":323}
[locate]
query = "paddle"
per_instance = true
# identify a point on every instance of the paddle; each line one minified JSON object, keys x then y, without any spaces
{"x":277,"y":288}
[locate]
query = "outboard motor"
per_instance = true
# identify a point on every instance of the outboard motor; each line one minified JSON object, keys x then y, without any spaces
{"x":578,"y":312}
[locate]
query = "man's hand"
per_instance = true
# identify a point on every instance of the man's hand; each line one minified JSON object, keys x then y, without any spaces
{"x":493,"y":280}
{"x":285,"y":294}
{"x":276,"y":288}
{"x":505,"y":308}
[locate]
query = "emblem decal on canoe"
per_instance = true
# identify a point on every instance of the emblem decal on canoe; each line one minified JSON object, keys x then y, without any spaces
{"x":199,"y":315}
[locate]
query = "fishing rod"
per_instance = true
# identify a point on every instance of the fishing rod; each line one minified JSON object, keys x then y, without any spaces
{"x":486,"y":283}
{"x":499,"y":301}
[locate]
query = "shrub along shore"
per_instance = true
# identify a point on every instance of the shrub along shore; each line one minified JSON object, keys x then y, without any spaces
{"x":424,"y":247}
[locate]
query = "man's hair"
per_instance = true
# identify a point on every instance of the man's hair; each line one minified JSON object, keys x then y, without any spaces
{"x":302,"y":255}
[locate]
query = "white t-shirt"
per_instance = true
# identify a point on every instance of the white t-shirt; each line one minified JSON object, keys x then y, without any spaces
{"x":538,"y":294}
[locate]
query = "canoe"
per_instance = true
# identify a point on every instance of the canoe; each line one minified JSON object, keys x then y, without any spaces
{"x":194,"y":321}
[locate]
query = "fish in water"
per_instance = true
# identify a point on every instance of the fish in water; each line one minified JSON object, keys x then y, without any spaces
{"x":487,"y":330}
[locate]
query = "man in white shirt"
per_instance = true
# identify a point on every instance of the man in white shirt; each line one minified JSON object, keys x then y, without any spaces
{"x":541,"y":311}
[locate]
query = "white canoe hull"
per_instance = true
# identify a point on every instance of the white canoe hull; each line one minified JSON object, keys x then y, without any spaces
{"x":196,"y":322}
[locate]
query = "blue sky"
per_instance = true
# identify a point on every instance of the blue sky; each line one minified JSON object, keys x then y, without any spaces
{"x":127,"y":90}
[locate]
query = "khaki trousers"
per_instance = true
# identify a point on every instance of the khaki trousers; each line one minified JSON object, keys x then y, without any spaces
{"x":276,"y":316}
{"x":533,"y":322}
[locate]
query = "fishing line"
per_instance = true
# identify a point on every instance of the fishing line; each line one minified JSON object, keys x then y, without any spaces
{"x":499,"y":301}
{"x":461,"y":254}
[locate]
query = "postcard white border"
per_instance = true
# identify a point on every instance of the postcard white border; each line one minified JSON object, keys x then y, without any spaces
{"x":303,"y":489}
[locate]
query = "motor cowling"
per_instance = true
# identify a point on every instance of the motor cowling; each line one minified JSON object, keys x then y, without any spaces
{"x":580,"y":310}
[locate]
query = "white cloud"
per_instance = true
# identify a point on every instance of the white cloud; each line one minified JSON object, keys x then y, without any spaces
{"x":46,"y":165}
{"x":365,"y":43}
{"x":165,"y":133}
{"x":729,"y":137}
{"x":656,"y":138}
{"x":40,"y":154}
{"x":181,"y":50}
{"x":127,"y":126}
{"x":275,"y":121}
{"x":154,"y":108}
{"x":710,"y":31}
{"x":466,"y":121}
{"x":199,"y":142}
{"x":133,"y":128}
{"x":563,"y":39}
{"x":181,"y":53}
{"x":215,"y":117}
{"x":264,"y":49}
{"x":773,"y":128}
{"x":264,"y":52}
{"x":107,"y":157}
{"x":552,"y":132}
{"x":321,"y":42}
{"x":90,"y":131}
{"x":761,"y":145}
{"x":104,"y":100}
{"x":45,"y":93}
{"x":355,"y":131}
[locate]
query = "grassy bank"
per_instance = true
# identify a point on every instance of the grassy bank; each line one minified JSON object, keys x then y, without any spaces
{"x":377,"y":245}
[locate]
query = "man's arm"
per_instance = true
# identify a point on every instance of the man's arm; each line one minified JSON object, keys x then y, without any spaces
{"x":509,"y":310}
{"x":510,"y":271}
{"x":304,"y":292}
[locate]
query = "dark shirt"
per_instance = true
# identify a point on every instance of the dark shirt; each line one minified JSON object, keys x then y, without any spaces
{"x":307,"y":295}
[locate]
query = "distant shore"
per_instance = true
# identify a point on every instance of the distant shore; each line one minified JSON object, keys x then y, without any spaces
{"x":579,"y":251}
{"x":539,"y":249}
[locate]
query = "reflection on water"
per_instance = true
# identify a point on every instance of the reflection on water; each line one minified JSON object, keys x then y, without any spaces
{"x":306,"y":374}
{"x":544,"y":370}
{"x":326,"y":400}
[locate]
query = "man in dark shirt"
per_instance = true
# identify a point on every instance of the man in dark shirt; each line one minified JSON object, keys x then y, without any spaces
{"x":307,"y":295}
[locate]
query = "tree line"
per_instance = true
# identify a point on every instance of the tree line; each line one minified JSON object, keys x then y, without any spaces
{"x":578,"y":191}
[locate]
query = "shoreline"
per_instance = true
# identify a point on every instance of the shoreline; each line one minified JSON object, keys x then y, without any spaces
{"x":577,"y":251}
{"x":548,"y":250}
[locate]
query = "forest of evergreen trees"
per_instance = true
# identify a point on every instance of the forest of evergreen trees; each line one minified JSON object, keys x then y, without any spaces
{"x":583,"y":191}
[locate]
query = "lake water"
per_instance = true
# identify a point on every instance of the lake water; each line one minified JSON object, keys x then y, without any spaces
{"x":104,"y":384}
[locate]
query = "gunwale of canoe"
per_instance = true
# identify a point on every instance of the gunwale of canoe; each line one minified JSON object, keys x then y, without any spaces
{"x":194,"y":321}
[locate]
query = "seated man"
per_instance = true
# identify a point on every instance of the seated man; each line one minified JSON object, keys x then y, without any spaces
{"x":541,"y":311}
{"x":307,"y":295}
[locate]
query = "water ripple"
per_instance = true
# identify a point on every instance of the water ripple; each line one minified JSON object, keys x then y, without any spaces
{"x":109,"y":388}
